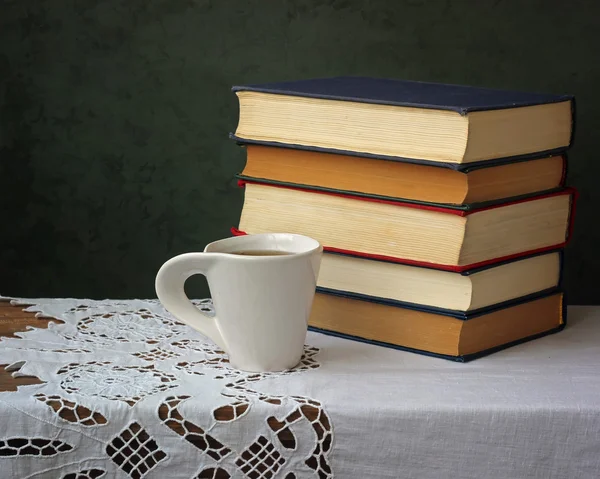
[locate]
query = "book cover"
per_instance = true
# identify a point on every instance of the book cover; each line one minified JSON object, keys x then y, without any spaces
{"x":385,"y":91}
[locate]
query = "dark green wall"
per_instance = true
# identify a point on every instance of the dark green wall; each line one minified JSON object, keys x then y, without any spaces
{"x":114,"y":115}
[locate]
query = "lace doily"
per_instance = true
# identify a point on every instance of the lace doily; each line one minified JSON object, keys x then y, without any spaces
{"x":128,"y":391}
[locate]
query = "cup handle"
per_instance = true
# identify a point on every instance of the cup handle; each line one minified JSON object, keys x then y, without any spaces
{"x":169,"y":284}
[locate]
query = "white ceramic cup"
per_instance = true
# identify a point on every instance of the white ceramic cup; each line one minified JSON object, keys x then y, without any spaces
{"x":262,"y":303}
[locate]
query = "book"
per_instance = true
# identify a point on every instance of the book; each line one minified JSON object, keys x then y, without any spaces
{"x":437,"y":334}
{"x":458,"y":294}
{"x":404,"y":120}
{"x":393,"y":179}
{"x":421,"y":234}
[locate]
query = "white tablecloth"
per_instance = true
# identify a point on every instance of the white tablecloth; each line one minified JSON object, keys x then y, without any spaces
{"x":531,"y":411}
{"x":355,"y":410}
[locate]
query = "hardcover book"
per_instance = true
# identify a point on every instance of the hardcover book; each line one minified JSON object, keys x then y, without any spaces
{"x":438,"y":334}
{"x":449,"y":125}
{"x":458,"y":294}
{"x":420,"y":234}
{"x":399,"y":180}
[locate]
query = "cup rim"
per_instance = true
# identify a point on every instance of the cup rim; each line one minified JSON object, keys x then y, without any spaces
{"x":314,"y":246}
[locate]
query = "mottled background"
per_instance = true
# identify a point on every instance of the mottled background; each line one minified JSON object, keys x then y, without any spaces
{"x":114,"y":115}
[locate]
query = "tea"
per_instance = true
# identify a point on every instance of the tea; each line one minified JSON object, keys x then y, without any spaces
{"x":261,"y":252}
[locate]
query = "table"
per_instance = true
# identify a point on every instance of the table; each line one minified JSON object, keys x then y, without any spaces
{"x":121,"y":389}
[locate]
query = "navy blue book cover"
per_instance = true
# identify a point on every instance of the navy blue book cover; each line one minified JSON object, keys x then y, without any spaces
{"x":385,"y":91}
{"x":406,"y":93}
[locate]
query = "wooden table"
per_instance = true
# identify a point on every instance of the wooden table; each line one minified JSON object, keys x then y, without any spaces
{"x":13,"y":320}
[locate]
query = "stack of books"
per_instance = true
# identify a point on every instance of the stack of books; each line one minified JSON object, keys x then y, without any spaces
{"x":442,"y":209}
